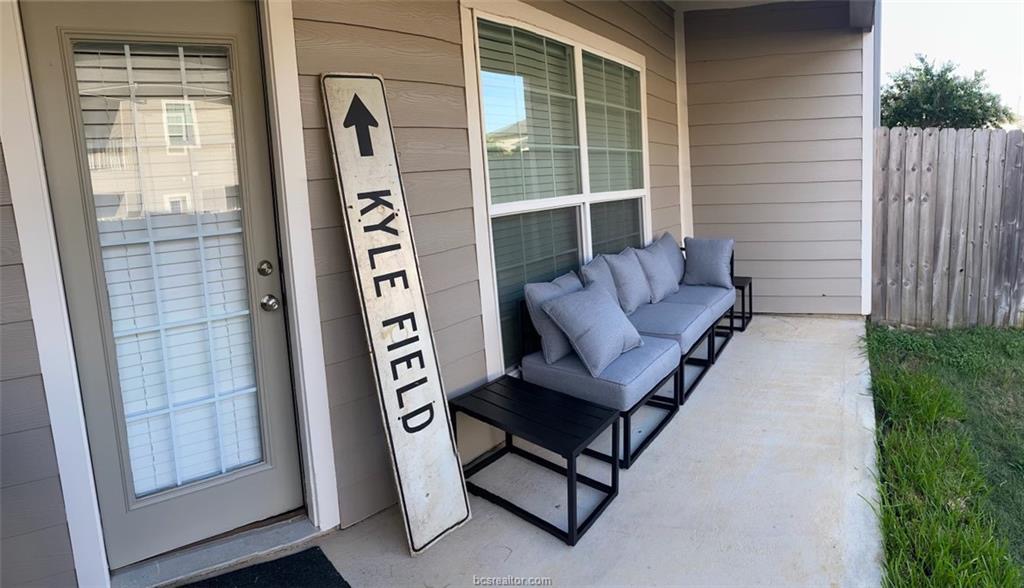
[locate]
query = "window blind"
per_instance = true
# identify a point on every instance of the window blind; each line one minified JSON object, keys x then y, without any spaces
{"x":615,"y":225}
{"x":614,"y":134}
{"x":529,"y":102}
{"x":170,"y":227}
{"x":531,"y":247}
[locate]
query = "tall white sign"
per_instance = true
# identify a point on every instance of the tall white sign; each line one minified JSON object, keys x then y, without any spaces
{"x":431,"y":487}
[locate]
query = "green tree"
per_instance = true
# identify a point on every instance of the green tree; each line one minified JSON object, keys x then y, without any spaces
{"x":923,"y":95}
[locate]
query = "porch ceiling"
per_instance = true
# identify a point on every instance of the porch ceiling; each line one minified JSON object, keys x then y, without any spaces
{"x":862,"y":12}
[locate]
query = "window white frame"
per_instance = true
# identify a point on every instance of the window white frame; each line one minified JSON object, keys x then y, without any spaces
{"x":189,"y":124}
{"x":520,"y":15}
{"x":33,"y":215}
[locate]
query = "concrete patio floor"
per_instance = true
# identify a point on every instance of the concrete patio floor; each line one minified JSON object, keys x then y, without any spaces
{"x":764,"y":477}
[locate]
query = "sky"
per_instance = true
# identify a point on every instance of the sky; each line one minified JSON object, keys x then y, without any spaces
{"x":976,"y":34}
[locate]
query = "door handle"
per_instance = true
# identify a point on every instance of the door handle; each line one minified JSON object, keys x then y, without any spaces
{"x":270,"y":303}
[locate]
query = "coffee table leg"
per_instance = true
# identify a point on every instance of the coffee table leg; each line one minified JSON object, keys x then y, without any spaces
{"x":615,"y":457}
{"x":571,"y":532}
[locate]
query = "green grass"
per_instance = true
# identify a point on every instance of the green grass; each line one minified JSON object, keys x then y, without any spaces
{"x":950,"y":410}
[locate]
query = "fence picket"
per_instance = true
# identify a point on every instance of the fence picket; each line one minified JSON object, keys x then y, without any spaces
{"x":943,"y":207}
{"x":948,"y":227}
{"x":878,"y":221}
{"x":926,"y":224}
{"x":894,"y":225}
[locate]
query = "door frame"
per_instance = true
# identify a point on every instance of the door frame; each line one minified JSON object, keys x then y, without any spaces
{"x":51,"y":322}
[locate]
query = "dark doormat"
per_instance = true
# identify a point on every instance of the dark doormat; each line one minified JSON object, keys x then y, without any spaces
{"x":309,"y":568}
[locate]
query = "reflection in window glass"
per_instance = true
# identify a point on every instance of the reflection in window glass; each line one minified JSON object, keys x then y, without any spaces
{"x":169,"y":218}
{"x":615,"y":225}
{"x":529,"y":103}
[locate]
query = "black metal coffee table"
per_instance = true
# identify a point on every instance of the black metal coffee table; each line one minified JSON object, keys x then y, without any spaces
{"x":557,"y":422}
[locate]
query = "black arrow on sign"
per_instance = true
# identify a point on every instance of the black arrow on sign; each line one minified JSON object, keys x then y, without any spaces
{"x":359,"y":117}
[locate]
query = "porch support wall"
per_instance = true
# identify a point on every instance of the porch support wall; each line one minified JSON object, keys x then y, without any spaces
{"x":777,"y":126}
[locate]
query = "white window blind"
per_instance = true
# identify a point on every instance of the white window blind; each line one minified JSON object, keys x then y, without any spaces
{"x":531,"y":247}
{"x":614,"y":134}
{"x":170,"y":231}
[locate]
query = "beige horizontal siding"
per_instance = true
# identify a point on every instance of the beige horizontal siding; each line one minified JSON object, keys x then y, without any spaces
{"x":35,"y":547}
{"x":776,"y":149}
{"x":415,"y":47}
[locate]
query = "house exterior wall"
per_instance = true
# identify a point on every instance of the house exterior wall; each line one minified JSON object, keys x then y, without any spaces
{"x":35,"y":547}
{"x":416,"y":48}
{"x":775,"y":104}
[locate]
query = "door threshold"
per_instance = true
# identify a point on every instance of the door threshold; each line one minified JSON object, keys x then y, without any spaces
{"x":220,"y":554}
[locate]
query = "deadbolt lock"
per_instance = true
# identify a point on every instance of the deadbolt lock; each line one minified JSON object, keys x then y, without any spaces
{"x":265,"y":268}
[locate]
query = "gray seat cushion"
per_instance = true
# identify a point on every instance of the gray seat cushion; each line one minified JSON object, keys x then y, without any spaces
{"x":595,"y":326}
{"x":718,"y":300}
{"x":552,"y":340}
{"x":708,"y":262}
{"x":682,"y":323}
{"x":630,"y":281}
{"x":620,"y":386}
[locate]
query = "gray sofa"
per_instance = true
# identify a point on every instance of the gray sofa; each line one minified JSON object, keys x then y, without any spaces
{"x":672,"y":331}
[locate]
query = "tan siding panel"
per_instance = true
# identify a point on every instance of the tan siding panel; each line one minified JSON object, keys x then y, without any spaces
{"x":10,"y":250}
{"x":665,"y":196}
{"x":761,"y":44}
{"x":769,"y":131}
{"x":664,"y":175}
{"x":782,"y":232}
{"x":13,"y":295}
{"x":459,"y":340}
{"x":620,"y":15}
{"x":344,"y":338}
{"x":338,"y":296}
{"x":24,"y":404}
{"x":779,"y":213}
{"x":662,"y":154}
{"x":829,"y":150}
{"x":774,"y":88}
{"x":324,"y":203}
{"x":661,"y":109}
{"x":325,"y":47}
{"x":464,"y":374}
{"x":27,"y":456}
{"x":777,"y":193}
{"x":432,"y":149}
{"x":428,"y":18}
{"x":765,"y":110}
{"x":18,"y":354}
{"x":807,"y":304}
{"x":35,"y":505}
{"x":411,"y":104}
{"x":350,"y":380}
{"x":33,"y":556}
{"x":808,"y":287}
{"x":434,"y":233}
{"x":661,"y":87}
{"x":665,"y":219}
{"x":454,"y":305}
{"x":797,"y":250}
{"x":767,"y":173}
{"x":657,"y":13}
{"x":437,"y":191}
{"x":829,"y":62}
{"x":330,"y":251}
{"x":448,"y":269}
{"x":818,"y":269}
{"x":662,"y":132}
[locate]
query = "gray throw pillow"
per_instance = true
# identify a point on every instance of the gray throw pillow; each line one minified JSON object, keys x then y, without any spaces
{"x":595,"y":325}
{"x":660,"y":277}
{"x":668,"y":248}
{"x":553,"y":343}
{"x":630,"y":281}
{"x":598,"y":272}
{"x":707,"y":262}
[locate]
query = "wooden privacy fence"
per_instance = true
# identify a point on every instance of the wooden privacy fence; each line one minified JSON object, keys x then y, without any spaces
{"x":948,"y":227}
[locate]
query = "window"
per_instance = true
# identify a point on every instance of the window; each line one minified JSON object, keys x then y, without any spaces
{"x":180,"y":129}
{"x":564,"y":147}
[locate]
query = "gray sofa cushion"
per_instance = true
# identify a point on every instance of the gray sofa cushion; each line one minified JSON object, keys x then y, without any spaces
{"x":660,"y":276}
{"x":667,"y":246}
{"x":620,"y":386}
{"x":717,"y":300}
{"x":552,"y":340}
{"x":594,"y":325}
{"x":707,"y":262}
{"x":682,"y":323}
{"x":630,"y":281}
{"x":598,"y":272}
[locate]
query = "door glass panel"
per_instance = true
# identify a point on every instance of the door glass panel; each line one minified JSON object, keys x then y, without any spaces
{"x":160,"y":142}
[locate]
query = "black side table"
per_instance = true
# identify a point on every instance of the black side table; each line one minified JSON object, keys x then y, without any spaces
{"x":557,"y":422}
{"x":745,"y":287}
